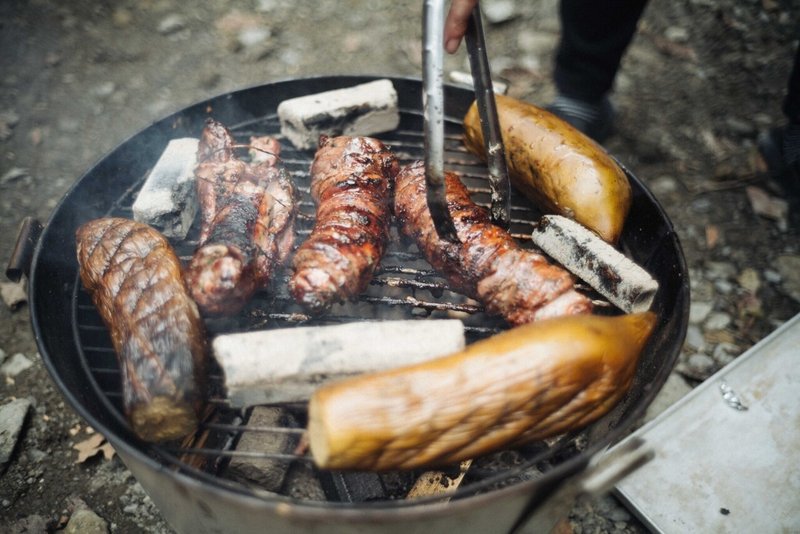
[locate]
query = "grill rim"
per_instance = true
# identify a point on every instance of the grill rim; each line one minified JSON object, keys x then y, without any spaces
{"x":132,"y":447}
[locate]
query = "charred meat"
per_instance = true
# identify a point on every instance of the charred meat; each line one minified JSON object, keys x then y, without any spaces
{"x":352,"y":179}
{"x":488,"y":265}
{"x":247,"y":220}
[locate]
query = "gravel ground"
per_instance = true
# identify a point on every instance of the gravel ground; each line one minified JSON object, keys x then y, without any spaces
{"x":702,"y":78}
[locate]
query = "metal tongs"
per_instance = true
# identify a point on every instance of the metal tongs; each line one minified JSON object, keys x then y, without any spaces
{"x":433,"y":110}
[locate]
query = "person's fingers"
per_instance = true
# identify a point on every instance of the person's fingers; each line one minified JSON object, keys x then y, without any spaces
{"x":455,"y":26}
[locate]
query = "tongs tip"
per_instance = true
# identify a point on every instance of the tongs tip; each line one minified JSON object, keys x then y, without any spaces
{"x":433,"y":104}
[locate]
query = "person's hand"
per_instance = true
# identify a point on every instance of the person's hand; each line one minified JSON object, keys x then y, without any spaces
{"x":455,"y":26}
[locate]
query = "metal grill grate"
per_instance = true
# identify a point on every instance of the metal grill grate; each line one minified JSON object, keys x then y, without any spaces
{"x":404,"y":287}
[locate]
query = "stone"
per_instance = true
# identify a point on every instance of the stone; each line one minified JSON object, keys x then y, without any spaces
{"x":725,"y":353}
{"x":723,"y":286}
{"x":671,"y":392}
{"x":12,"y":419}
{"x":694,"y":338}
{"x":15,"y":365}
{"x":498,"y":11}
{"x":698,"y":311}
{"x":702,"y":364}
{"x":13,"y":174}
{"x":773,"y":277}
{"x":749,"y":280}
{"x":677,"y":34}
{"x":254,"y":36}
{"x":789,"y":268}
{"x":171,"y":24}
{"x":664,"y":185}
{"x":14,"y":294}
{"x":30,"y":524}
{"x":717,"y":321}
{"x":85,"y":521}
{"x":716,"y":270}
{"x":536,"y":42}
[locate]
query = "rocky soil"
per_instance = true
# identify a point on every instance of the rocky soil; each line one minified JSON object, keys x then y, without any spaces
{"x":702,"y":78}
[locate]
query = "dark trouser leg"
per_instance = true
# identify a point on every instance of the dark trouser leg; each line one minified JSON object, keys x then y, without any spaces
{"x":791,"y":104}
{"x":594,"y":36}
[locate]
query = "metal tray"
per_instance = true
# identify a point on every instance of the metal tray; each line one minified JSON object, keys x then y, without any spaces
{"x":727,"y":455}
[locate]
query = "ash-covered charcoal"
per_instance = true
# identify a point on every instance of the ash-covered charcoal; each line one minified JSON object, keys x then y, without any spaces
{"x":352,"y":487}
{"x":517,"y":461}
{"x":364,"y":109}
{"x":265,"y":472}
{"x":288,"y":364}
{"x":615,"y":276}
{"x":302,"y":483}
{"x":168,"y":198}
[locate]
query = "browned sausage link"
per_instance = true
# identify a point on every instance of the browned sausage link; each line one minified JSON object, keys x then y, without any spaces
{"x":517,"y":284}
{"x":352,"y":179}
{"x":526,"y":384}
{"x":134,"y":278}
{"x":247,"y":220}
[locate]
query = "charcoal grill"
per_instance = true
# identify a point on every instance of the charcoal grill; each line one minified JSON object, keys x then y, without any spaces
{"x":187,"y":481}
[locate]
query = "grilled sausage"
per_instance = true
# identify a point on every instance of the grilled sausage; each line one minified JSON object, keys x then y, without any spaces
{"x":556,"y":166}
{"x":352,"y":180}
{"x":488,"y":265}
{"x":247,"y":221}
{"x":523,"y":385}
{"x":134,"y":279}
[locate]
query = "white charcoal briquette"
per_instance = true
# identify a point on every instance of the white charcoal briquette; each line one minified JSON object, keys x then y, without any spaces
{"x":168,"y":198}
{"x":288,"y":364}
{"x":362,"y":110}
{"x":612,"y":274}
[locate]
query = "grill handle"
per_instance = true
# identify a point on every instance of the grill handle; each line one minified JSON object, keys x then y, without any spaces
{"x":20,"y":261}
{"x":603,"y":472}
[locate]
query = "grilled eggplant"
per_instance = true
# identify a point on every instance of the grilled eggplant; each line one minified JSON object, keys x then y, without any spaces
{"x":247,"y":221}
{"x":134,"y":279}
{"x":488,"y":265}
{"x":352,"y":179}
{"x":523,"y":385}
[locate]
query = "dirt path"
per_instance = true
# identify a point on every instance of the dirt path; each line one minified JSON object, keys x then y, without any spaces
{"x":76,"y":79}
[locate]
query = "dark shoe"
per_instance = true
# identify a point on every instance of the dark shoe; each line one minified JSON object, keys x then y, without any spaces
{"x":780,"y":150}
{"x":595,"y":119}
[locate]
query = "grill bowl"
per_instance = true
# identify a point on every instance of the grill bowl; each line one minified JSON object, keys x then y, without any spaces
{"x":197,"y":501}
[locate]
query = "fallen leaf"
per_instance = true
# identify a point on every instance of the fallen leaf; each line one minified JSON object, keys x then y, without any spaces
{"x":674,"y":49}
{"x":768,"y":206}
{"x":712,"y":236}
{"x":92,"y":446}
